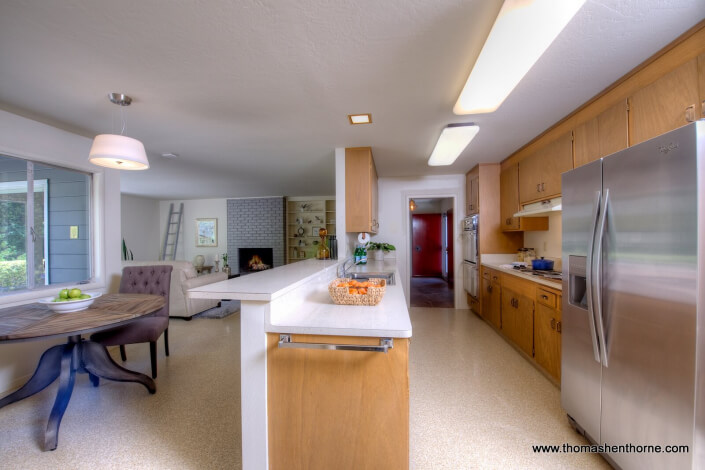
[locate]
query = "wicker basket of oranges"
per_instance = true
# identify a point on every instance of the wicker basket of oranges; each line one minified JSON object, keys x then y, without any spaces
{"x":345,"y":291}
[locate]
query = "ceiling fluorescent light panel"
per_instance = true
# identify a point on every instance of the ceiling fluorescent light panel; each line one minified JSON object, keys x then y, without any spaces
{"x":522,"y":32}
{"x":451,"y":143}
{"x":360,"y":118}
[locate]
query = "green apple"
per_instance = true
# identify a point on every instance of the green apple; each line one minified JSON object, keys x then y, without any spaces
{"x":75,"y":293}
{"x":64,"y":293}
{"x":85,"y":296}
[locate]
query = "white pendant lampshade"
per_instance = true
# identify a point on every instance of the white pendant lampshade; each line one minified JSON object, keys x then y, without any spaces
{"x":118,"y":151}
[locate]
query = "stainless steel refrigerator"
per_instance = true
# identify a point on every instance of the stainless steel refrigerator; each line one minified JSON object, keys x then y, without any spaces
{"x":633,"y":350}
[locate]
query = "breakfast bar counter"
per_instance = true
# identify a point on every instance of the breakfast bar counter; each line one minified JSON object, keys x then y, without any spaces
{"x":307,"y":360}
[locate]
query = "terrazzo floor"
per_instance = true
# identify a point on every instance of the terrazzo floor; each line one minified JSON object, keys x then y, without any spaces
{"x":475,"y":403}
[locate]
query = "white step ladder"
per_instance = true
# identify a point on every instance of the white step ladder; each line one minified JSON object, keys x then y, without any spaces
{"x":170,"y":232}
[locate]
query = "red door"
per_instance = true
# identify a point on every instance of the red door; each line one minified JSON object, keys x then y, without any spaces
{"x":426,"y":238}
{"x":449,"y":231}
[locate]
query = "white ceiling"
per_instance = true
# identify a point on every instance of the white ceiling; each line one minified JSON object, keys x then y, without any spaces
{"x":253,"y":94}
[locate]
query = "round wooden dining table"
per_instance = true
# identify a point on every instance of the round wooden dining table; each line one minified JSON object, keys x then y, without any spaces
{"x":36,"y":321}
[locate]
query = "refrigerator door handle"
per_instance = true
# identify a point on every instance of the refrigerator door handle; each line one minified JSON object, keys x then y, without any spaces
{"x":597,"y":276}
{"x":588,"y":277}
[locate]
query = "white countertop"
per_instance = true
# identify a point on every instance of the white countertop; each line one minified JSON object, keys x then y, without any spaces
{"x":265,"y":285}
{"x":497,"y":264}
{"x":315,"y":312}
{"x":299,"y":302}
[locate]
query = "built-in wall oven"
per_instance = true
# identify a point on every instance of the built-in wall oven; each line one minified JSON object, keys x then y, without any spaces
{"x":471,"y":275}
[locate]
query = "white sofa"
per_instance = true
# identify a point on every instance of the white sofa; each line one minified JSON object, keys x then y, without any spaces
{"x":183,"y":278}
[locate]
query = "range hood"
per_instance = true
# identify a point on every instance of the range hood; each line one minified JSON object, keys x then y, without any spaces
{"x":540,"y":209}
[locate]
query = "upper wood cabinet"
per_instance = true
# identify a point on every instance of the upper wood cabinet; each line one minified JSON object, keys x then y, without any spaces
{"x":540,"y":172}
{"x":661,"y":106}
{"x":360,"y":191}
{"x":472,"y":191}
{"x":602,"y":135}
{"x":509,"y":204}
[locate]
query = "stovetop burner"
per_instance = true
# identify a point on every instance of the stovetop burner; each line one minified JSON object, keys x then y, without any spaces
{"x":554,"y":275}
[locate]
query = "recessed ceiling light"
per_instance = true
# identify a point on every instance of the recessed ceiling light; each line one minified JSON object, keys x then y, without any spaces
{"x":360,"y":118}
{"x":170,"y":155}
{"x":452,"y":141}
{"x":522,"y":32}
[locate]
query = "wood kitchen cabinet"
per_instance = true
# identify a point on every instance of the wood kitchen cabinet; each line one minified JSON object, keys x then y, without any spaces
{"x":701,"y":83}
{"x":540,"y":172}
{"x":337,"y":409}
{"x":509,"y":204}
{"x":472,"y":191}
{"x":661,"y":106}
{"x":491,"y":297}
{"x":602,"y":135}
{"x":360,"y":191}
{"x":547,"y":331}
{"x":518,"y":312}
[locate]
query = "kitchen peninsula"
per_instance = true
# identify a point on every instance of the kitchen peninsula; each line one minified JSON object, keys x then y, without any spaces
{"x":319,"y":408}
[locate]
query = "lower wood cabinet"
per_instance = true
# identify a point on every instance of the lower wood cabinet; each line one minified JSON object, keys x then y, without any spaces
{"x":491,"y":297}
{"x":547,"y":331}
{"x":528,"y":314}
{"x":337,"y":409}
{"x":518,"y":312}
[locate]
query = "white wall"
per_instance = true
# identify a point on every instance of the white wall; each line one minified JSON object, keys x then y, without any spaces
{"x":197,"y":209}
{"x":140,"y":226}
{"x":395,"y":222}
{"x":547,"y":243}
{"x":21,"y":137}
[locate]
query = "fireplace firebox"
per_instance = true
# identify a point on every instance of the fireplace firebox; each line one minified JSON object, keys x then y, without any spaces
{"x":254,"y":260}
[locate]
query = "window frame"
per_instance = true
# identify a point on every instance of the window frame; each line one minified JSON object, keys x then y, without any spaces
{"x":96,"y":259}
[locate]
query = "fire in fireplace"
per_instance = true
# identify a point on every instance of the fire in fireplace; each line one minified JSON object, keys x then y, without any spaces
{"x":253,"y":260}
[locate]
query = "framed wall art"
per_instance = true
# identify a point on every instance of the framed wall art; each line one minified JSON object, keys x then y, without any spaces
{"x":206,"y":232}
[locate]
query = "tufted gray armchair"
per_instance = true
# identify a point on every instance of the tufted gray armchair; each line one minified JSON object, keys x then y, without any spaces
{"x":153,"y":280}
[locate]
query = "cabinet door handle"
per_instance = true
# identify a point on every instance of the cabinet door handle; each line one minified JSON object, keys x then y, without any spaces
{"x":553,"y":323}
{"x":543,"y":186}
{"x":558,"y":327}
{"x":384,"y":345}
{"x":538,"y":188}
{"x":494,"y":278}
{"x":509,"y":221}
{"x":489,"y":289}
{"x":690,"y":113}
{"x":544,"y":297}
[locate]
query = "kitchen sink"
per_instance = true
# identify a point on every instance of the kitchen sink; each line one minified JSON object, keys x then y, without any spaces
{"x":388,"y":276}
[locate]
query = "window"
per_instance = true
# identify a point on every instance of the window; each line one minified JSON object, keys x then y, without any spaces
{"x":44,"y":225}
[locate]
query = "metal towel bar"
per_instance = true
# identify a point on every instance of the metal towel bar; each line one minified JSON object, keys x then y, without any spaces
{"x":384,"y":345}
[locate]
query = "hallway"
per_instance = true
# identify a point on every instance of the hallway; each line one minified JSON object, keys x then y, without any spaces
{"x":431,"y":292}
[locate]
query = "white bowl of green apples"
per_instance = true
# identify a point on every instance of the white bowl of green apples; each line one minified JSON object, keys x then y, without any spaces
{"x":70,"y":300}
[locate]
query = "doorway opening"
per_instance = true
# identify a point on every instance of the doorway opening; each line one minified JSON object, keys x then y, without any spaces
{"x":432,"y":273}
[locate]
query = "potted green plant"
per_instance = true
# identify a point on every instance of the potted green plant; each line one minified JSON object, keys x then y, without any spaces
{"x":379,"y":249}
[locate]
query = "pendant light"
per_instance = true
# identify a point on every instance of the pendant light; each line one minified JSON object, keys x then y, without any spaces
{"x":118,"y":151}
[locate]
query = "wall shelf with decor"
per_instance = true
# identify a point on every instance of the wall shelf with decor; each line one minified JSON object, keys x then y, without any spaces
{"x":304,"y":216}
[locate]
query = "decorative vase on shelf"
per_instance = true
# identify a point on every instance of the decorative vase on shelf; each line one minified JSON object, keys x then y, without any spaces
{"x":226,"y":269}
{"x":215,"y":264}
{"x":378,"y":255}
{"x":200,"y":261}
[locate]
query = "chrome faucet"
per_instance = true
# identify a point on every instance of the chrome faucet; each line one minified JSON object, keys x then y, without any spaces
{"x":342,"y":270}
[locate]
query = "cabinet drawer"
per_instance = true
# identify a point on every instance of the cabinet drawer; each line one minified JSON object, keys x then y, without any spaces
{"x":519,"y":285}
{"x":547,"y":298}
